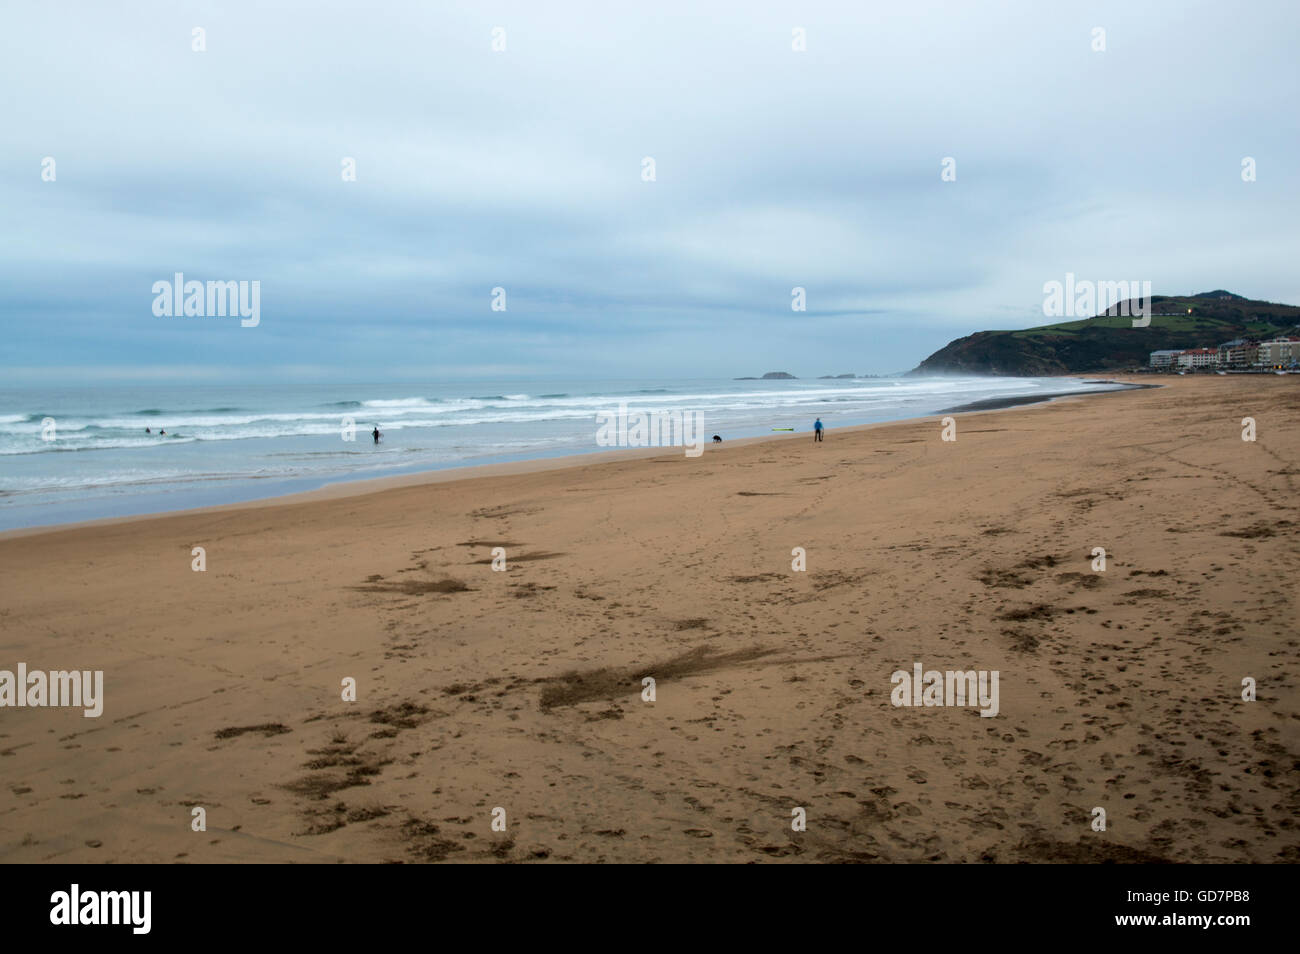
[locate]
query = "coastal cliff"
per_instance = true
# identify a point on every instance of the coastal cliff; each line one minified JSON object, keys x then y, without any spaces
{"x":1109,"y":342}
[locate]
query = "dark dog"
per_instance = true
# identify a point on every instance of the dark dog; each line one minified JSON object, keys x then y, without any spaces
{"x":717,"y":439}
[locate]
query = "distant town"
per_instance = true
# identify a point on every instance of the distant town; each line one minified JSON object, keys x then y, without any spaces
{"x":1238,"y":355}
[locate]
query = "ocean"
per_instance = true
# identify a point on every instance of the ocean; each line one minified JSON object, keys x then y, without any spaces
{"x":234,"y":443}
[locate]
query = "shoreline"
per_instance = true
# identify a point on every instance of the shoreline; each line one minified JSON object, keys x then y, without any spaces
{"x":521,"y":686}
{"x":363,"y":486}
{"x":1001,"y":403}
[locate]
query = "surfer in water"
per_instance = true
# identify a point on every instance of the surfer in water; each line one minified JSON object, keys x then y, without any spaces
{"x":375,"y":434}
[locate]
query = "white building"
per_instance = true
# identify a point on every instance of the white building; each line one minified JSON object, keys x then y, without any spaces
{"x":1162,"y":359}
{"x":1198,"y":358}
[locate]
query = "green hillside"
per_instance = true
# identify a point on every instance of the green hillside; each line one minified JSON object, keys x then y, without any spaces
{"x":1109,"y":342}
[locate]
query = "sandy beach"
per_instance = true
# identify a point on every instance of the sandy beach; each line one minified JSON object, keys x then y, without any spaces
{"x":522,"y":689}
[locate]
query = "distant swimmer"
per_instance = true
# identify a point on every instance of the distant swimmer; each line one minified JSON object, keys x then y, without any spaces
{"x":161,"y":432}
{"x":817,"y":430}
{"x":147,"y":431}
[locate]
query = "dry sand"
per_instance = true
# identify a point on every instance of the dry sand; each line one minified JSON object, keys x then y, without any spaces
{"x":522,"y":689}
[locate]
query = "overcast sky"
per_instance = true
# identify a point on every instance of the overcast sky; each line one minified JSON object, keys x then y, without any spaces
{"x":523,"y":169}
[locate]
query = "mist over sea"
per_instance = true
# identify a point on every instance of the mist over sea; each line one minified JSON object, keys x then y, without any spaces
{"x":232,"y":443}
